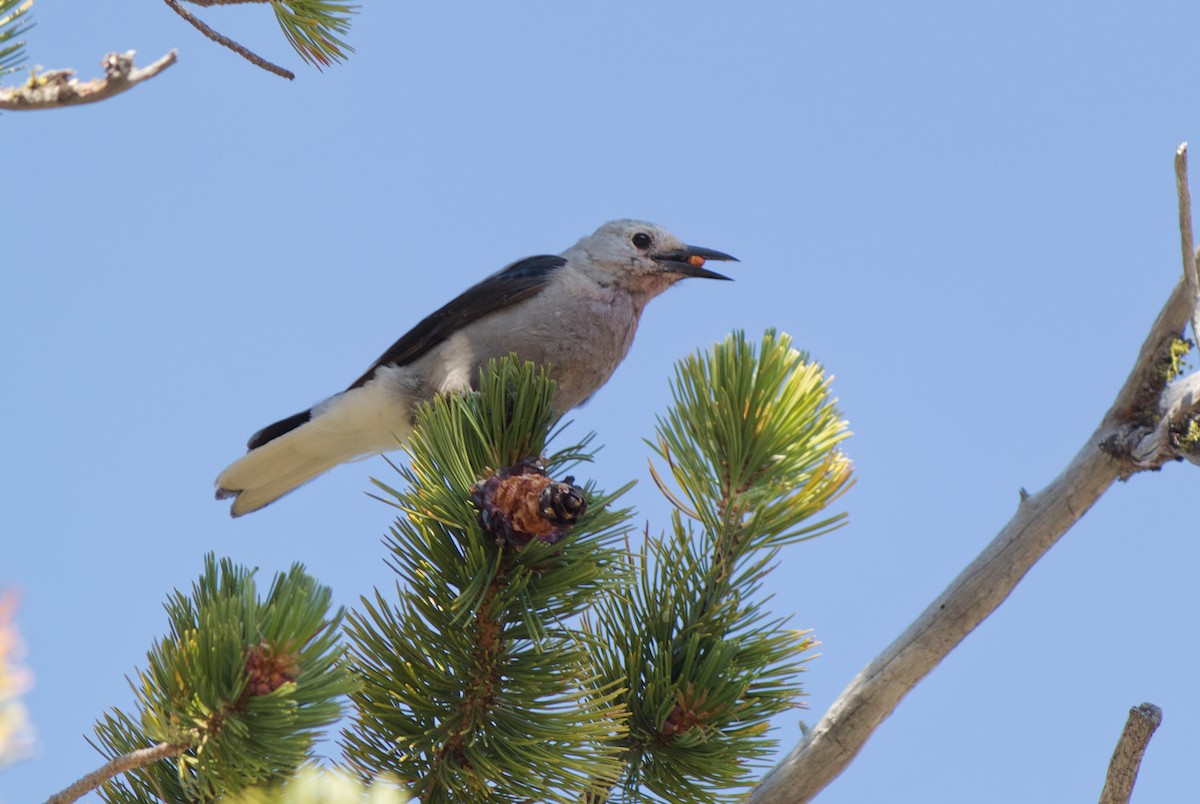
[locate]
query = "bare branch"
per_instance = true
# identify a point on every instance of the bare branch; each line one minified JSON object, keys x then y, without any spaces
{"x":1041,"y":519}
{"x":122,"y":764}
{"x":54,"y":89}
{"x":1127,"y":756}
{"x":244,"y":52}
{"x":1143,"y":409}
{"x":1185,"y":234}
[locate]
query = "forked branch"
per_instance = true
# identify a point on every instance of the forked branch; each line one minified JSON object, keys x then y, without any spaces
{"x":1152,"y":421}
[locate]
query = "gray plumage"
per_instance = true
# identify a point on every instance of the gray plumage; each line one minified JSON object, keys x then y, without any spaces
{"x":576,"y":312}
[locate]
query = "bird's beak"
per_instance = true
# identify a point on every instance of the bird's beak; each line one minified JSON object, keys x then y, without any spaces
{"x":689,"y":261}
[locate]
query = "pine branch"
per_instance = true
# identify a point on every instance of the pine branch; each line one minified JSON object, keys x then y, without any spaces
{"x":474,"y":684}
{"x":223,"y":40}
{"x":233,"y":697}
{"x":752,"y":444}
{"x":312,"y":27}
{"x":474,"y":688}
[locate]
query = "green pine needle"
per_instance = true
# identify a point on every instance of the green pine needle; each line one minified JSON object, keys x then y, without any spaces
{"x":245,"y":683}
{"x":12,"y":25}
{"x":752,"y":445}
{"x":314,"y":28}
{"x":474,"y":688}
{"x":474,"y":682}
{"x":752,"y":442}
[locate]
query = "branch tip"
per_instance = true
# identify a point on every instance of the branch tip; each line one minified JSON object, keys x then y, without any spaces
{"x":1143,"y":720}
{"x":54,"y":89}
{"x":1186,"y":239}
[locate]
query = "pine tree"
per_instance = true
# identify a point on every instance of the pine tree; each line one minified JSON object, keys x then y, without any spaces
{"x":528,"y":651}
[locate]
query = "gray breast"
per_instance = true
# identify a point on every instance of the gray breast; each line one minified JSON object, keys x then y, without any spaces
{"x":582,"y":331}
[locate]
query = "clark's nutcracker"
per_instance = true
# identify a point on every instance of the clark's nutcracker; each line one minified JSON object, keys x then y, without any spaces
{"x":576,"y":313}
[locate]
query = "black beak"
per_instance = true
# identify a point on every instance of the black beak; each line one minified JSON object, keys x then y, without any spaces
{"x":689,"y":261}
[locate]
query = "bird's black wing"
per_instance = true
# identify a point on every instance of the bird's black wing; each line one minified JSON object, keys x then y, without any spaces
{"x":513,"y":284}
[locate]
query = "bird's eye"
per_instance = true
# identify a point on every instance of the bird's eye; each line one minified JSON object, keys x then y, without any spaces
{"x":641,"y":240}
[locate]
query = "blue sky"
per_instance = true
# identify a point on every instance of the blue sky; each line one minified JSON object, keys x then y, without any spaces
{"x":966,"y":213}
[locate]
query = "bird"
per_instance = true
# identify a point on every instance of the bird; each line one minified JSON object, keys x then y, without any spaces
{"x":575,"y":313}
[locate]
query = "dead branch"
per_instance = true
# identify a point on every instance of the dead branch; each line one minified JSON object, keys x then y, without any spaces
{"x":53,"y":89}
{"x":1186,"y":241}
{"x":1127,"y":756}
{"x":1147,"y":426}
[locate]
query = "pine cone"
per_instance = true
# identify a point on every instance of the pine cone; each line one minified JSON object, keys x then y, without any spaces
{"x":520,"y":503}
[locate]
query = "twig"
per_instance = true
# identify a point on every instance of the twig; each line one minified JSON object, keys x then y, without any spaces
{"x":1127,"y":756}
{"x":122,"y":764}
{"x":244,"y":52}
{"x":1040,"y":521}
{"x":1185,"y":235}
{"x":55,"y":89}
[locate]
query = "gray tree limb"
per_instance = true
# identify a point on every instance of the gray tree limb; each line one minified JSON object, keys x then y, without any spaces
{"x":1186,"y":240}
{"x":54,"y":89}
{"x":1147,"y":426}
{"x":1127,"y":756}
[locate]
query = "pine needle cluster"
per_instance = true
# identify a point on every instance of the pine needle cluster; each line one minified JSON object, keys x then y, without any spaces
{"x":314,"y":28}
{"x":526,"y":653}
{"x":13,"y":23}
{"x":240,"y":685}
{"x":751,"y":444}
{"x":474,"y":687}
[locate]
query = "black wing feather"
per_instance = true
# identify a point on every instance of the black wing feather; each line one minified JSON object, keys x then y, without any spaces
{"x":515,"y":283}
{"x":506,"y":287}
{"x":274,"y":431}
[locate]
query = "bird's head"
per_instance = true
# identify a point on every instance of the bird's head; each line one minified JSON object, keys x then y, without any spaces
{"x":643,"y":255}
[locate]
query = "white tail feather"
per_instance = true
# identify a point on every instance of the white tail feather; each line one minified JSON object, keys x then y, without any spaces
{"x":346,"y":427}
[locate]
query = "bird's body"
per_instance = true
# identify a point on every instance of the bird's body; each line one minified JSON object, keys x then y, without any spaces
{"x":576,"y":313}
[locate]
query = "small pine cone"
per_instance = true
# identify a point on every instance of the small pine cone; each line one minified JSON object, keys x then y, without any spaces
{"x":520,"y":503}
{"x":562,"y":502}
{"x":267,"y":671}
